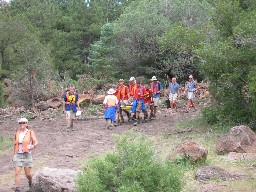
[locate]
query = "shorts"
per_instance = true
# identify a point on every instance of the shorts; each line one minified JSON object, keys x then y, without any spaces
{"x":70,"y":115}
{"x":23,"y":160}
{"x":173,"y":96}
{"x":156,"y":100}
{"x":191,"y":95}
{"x":138,"y":106}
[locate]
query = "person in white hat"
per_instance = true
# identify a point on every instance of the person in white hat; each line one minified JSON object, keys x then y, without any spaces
{"x":191,"y":88}
{"x":132,"y":83}
{"x":156,"y":88}
{"x":24,"y":142}
{"x":110,"y":103}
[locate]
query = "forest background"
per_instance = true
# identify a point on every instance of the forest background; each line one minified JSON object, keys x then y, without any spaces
{"x":48,"y":44}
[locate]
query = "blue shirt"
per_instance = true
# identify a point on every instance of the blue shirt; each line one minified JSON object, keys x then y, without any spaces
{"x":160,"y":87}
{"x":174,"y":87}
{"x":191,"y":86}
{"x":69,"y":107}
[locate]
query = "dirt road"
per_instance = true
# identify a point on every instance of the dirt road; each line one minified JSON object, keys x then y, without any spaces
{"x":61,"y":149}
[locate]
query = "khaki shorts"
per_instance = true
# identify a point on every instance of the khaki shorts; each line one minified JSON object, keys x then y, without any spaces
{"x":156,"y":100}
{"x":70,"y":115}
{"x":191,"y":95}
{"x":173,"y":96}
{"x":22,"y":160}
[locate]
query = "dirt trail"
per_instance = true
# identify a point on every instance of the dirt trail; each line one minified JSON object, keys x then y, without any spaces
{"x":61,"y":149}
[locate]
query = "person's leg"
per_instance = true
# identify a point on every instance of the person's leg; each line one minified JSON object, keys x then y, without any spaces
{"x":28,"y":175}
{"x":174,"y":105}
{"x":188,"y":105}
{"x":68,"y":118}
{"x":17,"y":176}
{"x":193,"y":104}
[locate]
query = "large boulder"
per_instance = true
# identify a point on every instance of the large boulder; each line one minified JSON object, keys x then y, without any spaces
{"x":84,"y":99}
{"x":239,"y":139}
{"x":192,"y":150}
{"x":54,"y":180}
{"x":42,"y":105}
{"x":54,"y":102}
{"x":208,"y":173}
{"x":98,"y":99}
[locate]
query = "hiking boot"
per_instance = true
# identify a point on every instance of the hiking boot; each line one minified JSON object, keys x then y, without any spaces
{"x":115,"y":124}
{"x":122,"y":119}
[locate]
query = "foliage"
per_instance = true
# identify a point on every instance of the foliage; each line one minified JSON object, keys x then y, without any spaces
{"x":227,"y":61}
{"x":2,"y":95}
{"x":5,"y":143}
{"x":133,"y":167}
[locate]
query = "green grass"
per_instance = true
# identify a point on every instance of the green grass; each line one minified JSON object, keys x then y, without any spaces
{"x":197,"y":129}
{"x":5,"y":144}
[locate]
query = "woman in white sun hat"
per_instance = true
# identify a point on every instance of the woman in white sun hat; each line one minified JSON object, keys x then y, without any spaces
{"x":24,"y":142}
{"x":110,"y":103}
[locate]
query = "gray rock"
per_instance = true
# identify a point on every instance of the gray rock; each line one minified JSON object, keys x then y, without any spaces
{"x":240,"y":139}
{"x":54,"y":180}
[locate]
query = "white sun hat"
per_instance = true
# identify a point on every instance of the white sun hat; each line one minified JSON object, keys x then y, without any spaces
{"x":132,"y":79}
{"x":154,"y":78}
{"x":23,"y":120}
{"x":111,"y":91}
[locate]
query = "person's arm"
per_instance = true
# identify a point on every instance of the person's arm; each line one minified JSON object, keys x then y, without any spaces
{"x":178,"y":91}
{"x":78,"y":105}
{"x":34,"y":140}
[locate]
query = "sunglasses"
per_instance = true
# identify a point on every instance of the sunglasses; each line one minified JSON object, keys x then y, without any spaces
{"x":22,"y":123}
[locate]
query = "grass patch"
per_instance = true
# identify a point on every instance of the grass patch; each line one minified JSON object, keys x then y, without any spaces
{"x":197,"y":129}
{"x":92,"y":110}
{"x":5,"y":144}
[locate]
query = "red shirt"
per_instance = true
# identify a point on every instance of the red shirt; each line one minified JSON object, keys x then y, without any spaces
{"x":122,"y":93}
{"x":131,"y":86}
{"x":148,"y":96}
{"x":139,"y":92}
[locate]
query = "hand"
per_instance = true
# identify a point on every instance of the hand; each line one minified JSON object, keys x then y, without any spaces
{"x":63,"y":110}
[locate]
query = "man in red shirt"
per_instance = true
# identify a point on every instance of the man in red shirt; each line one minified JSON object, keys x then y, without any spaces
{"x":148,"y":101}
{"x":122,"y":94}
{"x":132,"y":83}
{"x":139,"y":93}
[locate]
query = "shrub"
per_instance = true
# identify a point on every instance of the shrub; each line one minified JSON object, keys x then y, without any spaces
{"x":133,"y":167}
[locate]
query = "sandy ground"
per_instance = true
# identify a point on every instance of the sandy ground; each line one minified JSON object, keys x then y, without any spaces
{"x":61,"y":149}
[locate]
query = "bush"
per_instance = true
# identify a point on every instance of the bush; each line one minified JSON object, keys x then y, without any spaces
{"x":1,"y":94}
{"x":133,"y":167}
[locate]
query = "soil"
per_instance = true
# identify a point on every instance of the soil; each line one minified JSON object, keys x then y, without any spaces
{"x":61,"y":149}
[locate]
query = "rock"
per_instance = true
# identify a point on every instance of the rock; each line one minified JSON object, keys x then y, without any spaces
{"x":216,"y":173}
{"x":193,"y":150}
{"x":42,"y":105}
{"x":239,"y":139}
{"x":98,"y":99}
{"x":84,"y":98}
{"x":54,"y":180}
{"x":54,"y":102}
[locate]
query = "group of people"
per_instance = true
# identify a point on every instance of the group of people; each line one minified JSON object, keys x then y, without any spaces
{"x":143,"y":98}
{"x":140,"y":98}
{"x":135,"y":97}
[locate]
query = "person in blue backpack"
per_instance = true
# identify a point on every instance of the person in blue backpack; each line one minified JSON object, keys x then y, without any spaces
{"x":70,"y":107}
{"x":157,"y":89}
